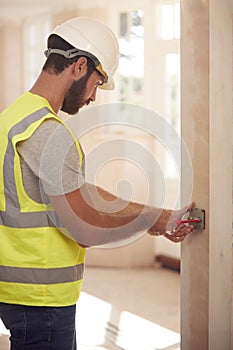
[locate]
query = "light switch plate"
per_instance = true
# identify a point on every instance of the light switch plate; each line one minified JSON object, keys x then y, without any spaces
{"x":199,"y":214}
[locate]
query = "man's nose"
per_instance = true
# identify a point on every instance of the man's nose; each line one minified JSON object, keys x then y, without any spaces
{"x":93,"y":96}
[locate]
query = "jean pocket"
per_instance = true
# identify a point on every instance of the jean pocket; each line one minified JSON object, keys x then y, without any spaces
{"x":13,"y":317}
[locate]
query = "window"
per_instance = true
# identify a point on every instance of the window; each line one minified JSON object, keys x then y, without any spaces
{"x":172,"y":88}
{"x":36,"y":31}
{"x":157,"y":86}
{"x":131,"y":64}
{"x":170,"y":21}
{"x":169,"y":48}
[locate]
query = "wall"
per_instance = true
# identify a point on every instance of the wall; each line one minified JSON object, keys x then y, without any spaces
{"x":98,"y":13}
{"x":11,"y":63}
{"x":142,"y":251}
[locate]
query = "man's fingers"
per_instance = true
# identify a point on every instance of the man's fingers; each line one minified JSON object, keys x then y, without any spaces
{"x":174,"y":239}
{"x":179,"y":234}
{"x":182,"y":230}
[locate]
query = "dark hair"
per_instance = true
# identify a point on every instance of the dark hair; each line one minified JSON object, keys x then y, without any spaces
{"x":56,"y":63}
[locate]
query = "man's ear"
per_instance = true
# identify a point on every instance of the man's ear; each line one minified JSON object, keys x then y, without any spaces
{"x":80,"y":68}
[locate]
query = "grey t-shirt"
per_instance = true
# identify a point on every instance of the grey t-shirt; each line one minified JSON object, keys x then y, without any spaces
{"x":50,"y":158}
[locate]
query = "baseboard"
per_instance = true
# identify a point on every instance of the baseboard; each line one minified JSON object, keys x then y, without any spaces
{"x":169,"y":262}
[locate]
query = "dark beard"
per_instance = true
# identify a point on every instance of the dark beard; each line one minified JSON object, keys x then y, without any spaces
{"x":74,"y":97}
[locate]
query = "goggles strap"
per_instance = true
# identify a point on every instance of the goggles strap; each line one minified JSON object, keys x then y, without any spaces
{"x":67,"y":54}
{"x":74,"y":53}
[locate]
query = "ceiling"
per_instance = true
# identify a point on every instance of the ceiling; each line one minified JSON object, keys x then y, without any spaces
{"x":16,"y":10}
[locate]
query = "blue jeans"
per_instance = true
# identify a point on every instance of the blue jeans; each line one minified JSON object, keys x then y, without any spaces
{"x":40,"y":328}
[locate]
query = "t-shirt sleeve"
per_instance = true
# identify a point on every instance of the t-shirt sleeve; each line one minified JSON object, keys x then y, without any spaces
{"x":52,"y":156}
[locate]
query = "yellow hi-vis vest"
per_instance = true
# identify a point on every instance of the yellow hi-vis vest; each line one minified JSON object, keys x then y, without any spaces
{"x":39,"y":265}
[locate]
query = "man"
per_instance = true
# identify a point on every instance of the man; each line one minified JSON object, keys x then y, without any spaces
{"x":49,"y":214}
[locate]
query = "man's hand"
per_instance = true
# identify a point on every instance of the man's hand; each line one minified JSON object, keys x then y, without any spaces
{"x":179,"y":234}
{"x":168,"y":225}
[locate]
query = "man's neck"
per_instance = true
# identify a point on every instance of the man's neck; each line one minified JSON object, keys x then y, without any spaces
{"x":51,"y":87}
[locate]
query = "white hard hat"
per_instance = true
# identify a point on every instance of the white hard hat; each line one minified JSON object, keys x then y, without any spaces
{"x":94,"y":38}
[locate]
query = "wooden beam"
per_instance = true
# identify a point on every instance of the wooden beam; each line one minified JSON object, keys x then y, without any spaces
{"x":206,"y":264}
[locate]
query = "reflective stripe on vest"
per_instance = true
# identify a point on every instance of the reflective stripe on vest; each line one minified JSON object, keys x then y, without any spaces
{"x":14,"y":218}
{"x":9,"y":176}
{"x":41,"y":276}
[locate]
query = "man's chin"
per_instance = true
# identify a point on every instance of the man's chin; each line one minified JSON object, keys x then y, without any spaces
{"x":69,"y":110}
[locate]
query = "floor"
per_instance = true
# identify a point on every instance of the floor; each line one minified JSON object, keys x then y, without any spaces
{"x":130,"y":309}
